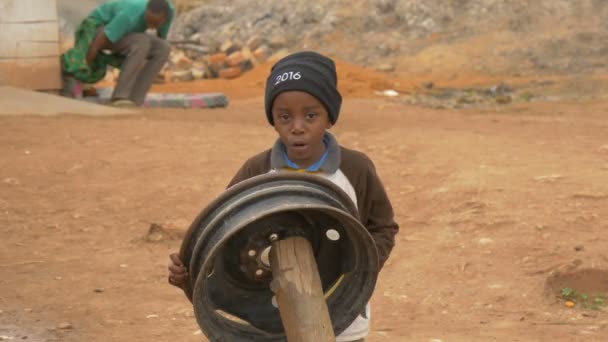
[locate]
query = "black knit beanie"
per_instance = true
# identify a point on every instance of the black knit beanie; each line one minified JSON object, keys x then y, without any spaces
{"x":305,"y":71}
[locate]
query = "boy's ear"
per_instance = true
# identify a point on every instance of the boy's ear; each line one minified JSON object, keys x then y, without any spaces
{"x":329,"y":125}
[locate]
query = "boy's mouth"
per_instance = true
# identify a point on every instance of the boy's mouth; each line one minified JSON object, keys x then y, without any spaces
{"x":299,"y":146}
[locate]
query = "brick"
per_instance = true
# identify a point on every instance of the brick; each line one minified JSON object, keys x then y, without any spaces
{"x":278,"y":42}
{"x":200,"y":70}
{"x":249,"y":57}
{"x":260,"y":54}
{"x":236,"y":58}
{"x":230,"y":47}
{"x":181,"y":76}
{"x":246,"y":65}
{"x":217,"y":59}
{"x":232,"y":72}
{"x":255,"y":42}
{"x":279,"y":55}
{"x":184,"y":62}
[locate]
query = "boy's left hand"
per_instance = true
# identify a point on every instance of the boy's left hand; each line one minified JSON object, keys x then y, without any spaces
{"x":178,"y":274}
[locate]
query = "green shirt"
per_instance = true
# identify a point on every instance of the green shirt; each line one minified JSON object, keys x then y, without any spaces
{"x":122,"y":17}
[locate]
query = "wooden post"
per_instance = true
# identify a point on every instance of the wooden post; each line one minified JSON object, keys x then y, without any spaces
{"x":298,"y":290}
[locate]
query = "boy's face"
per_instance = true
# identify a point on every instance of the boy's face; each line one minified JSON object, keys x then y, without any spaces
{"x":301,"y":121}
{"x":153,"y":20}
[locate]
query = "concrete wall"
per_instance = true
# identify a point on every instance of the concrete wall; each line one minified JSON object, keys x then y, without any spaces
{"x":29,"y":44}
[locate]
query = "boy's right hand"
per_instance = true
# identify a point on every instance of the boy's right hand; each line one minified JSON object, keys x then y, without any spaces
{"x":178,"y":274}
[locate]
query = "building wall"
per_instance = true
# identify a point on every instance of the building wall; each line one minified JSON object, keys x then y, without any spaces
{"x":29,"y":44}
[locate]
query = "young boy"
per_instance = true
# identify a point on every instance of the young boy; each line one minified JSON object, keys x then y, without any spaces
{"x":302,"y":103}
{"x":119,"y":26}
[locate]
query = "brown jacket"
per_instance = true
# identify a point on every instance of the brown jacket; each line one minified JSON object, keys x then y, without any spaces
{"x":375,"y":210}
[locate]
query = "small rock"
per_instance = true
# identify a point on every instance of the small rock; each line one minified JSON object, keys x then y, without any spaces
{"x":181,"y":75}
{"x":27,"y":152}
{"x":579,"y":248}
{"x":501,"y":89}
{"x":390,"y":93}
{"x":197,"y":37}
{"x":255,"y":42}
{"x":27,"y":310}
{"x":385,"y":67}
{"x":99,"y":290}
{"x":428,"y":85}
{"x":198,"y":73}
{"x":548,"y":178}
{"x":152,"y":316}
{"x":485,"y":241}
{"x":261,"y":54}
{"x":229,"y":73}
{"x":230,"y":47}
{"x":58,"y":278}
{"x":195,"y":50}
{"x":5,"y":338}
{"x":391,"y":19}
{"x":124,"y":265}
{"x":65,"y":326}
{"x":235,"y":59}
{"x":11,"y":181}
{"x":198,"y":332}
{"x":503,"y":99}
{"x":217,"y":59}
{"x":435,"y":340}
{"x":156,"y":233}
{"x":386,"y":6}
{"x":278,"y":42}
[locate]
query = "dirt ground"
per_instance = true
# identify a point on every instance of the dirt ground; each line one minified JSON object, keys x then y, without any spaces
{"x":492,"y":202}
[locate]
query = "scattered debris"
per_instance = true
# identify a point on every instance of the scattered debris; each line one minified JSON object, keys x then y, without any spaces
{"x":592,"y":196}
{"x":11,"y":181}
{"x":503,"y":99}
{"x":158,"y":233}
{"x":430,"y":95}
{"x":388,"y":93}
{"x":485,"y":241}
{"x":385,"y":67}
{"x":65,"y":326}
{"x":548,"y":178}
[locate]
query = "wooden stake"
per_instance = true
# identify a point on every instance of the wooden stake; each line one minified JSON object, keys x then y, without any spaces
{"x":299,"y":293}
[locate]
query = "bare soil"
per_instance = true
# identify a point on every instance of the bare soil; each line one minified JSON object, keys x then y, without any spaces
{"x":491,"y":201}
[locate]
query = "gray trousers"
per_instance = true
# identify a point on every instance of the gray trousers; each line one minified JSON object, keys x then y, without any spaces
{"x":145,"y":56}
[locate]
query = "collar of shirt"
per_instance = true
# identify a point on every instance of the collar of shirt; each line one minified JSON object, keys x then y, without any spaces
{"x":328,"y":163}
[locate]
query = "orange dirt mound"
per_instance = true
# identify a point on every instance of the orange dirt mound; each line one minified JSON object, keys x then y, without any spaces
{"x":353,"y":80}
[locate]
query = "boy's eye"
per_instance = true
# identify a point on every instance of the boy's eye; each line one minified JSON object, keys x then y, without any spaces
{"x":311,"y":115}
{"x":284,"y":116}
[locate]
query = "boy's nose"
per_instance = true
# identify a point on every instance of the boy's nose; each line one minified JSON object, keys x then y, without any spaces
{"x":298,"y":126}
